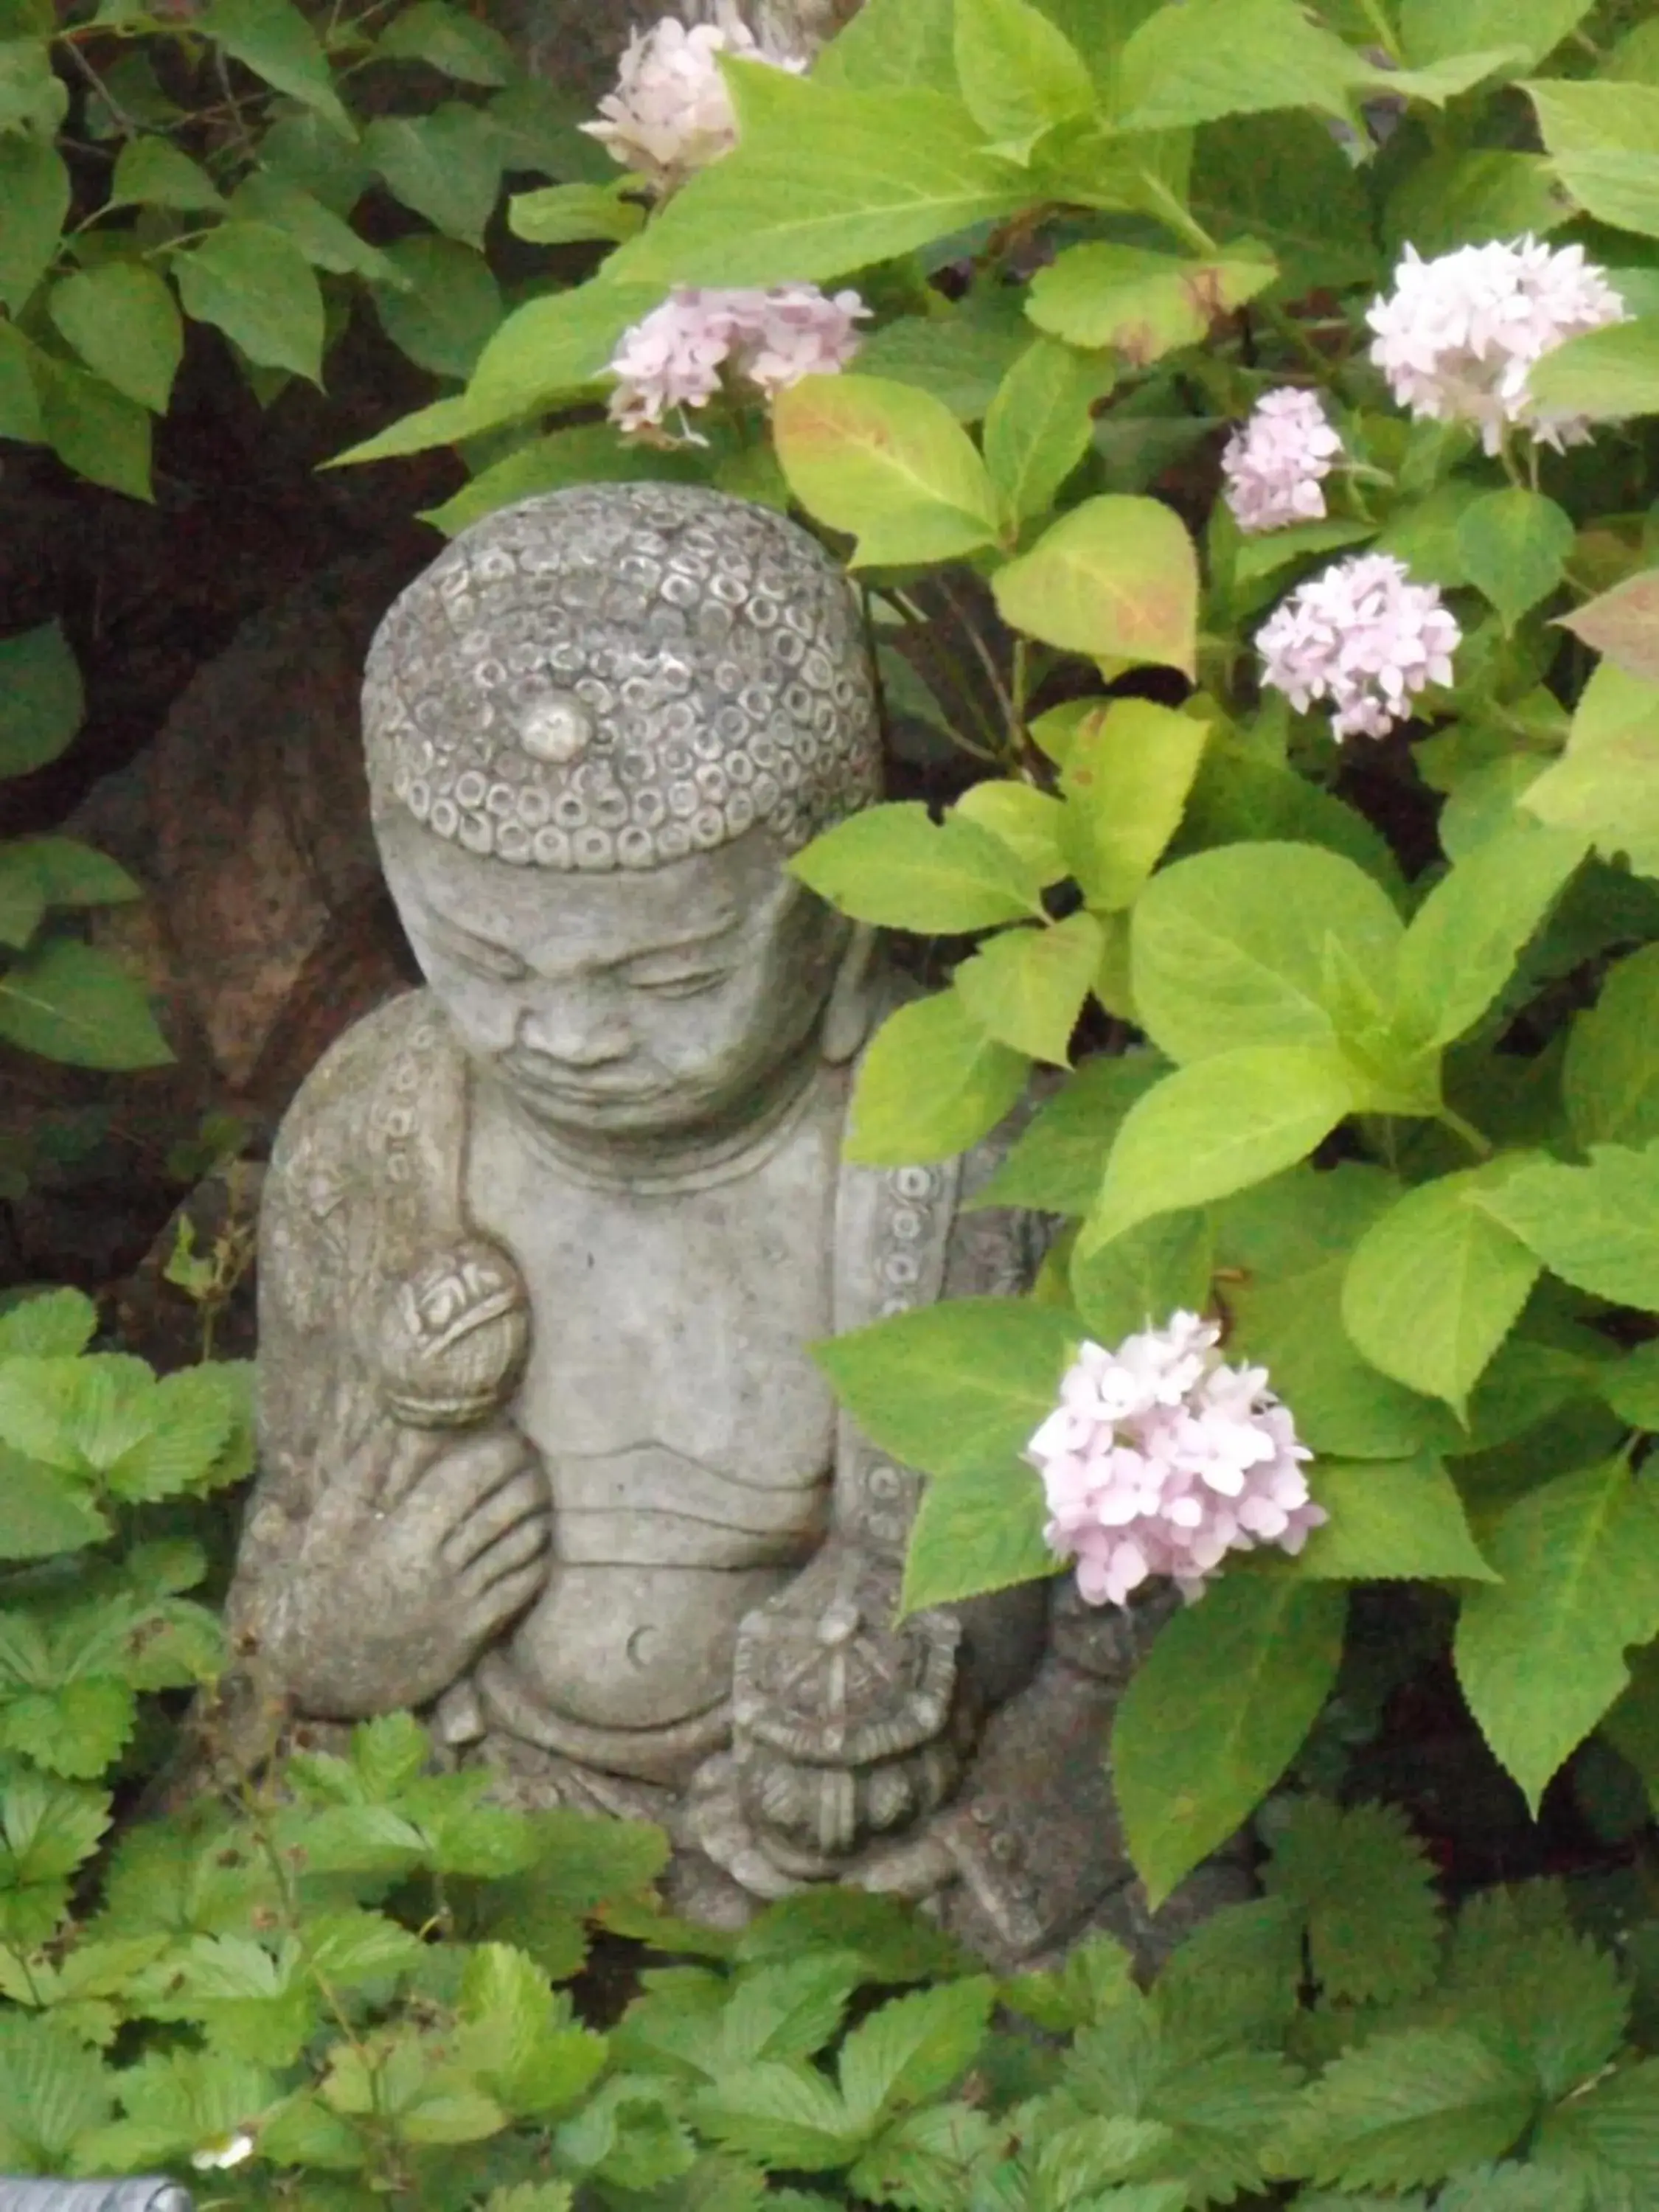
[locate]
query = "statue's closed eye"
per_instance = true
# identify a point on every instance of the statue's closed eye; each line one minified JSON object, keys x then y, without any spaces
{"x":682,"y":987}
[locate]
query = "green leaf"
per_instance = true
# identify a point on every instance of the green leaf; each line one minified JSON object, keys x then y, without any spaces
{"x":41,"y":701}
{"x":958,"y":1389}
{"x":1514,"y":546}
{"x":446,"y":165}
{"x":1631,"y":1387}
{"x":926,"y":2158}
{"x":1128,"y":769}
{"x":252,"y":281}
{"x":1591,"y":1225}
{"x":585,"y":453}
{"x":1410,"y":2107}
{"x":912,"y":2050}
{"x":324,"y":239}
{"x":176,"y":2102}
{"x":1215,"y":1713}
{"x":782,"y":2114}
{"x":1228,"y":1121}
{"x":76,"y":1729}
{"x":1390,"y":1520}
{"x":34,"y":191}
{"x":976,"y":1532}
{"x":1261,"y":943}
{"x":894,"y":866}
{"x":1026,"y":988}
{"x":22,"y":901}
{"x":1607,"y":783}
{"x":1430,"y":30}
{"x":273,"y":39}
{"x":1019,"y":73}
{"x":93,"y":429}
{"x":1605,"y":374}
{"x":1237,"y":799}
{"x":1116,"y":577}
{"x":1057,"y":1161}
{"x":1518,"y":1973}
{"x":1286,"y":1248}
{"x":1025,"y":819}
{"x":69,"y":873}
{"x":554,"y":344}
{"x":1603,"y":136}
{"x":886,"y":462}
{"x":154,"y":172}
{"x":889,"y":172}
{"x":1460,"y":197}
{"x":52,"y":2090}
{"x":1606,"y":2140}
{"x":960,"y":356}
{"x":447,"y":39}
{"x":1287,"y":185}
{"x":48,"y":1829}
{"x":1366,"y":1887}
{"x":42,"y":1512}
{"x":1140,"y":304}
{"x":567,"y":214}
{"x":1540,"y":1655}
{"x":1435,"y":1285}
{"x":1610,"y":1077}
{"x":48,"y":1324}
{"x":121,"y":320}
{"x":930,"y":1085}
{"x":1039,"y":423}
{"x":1215,"y":58}
{"x":892,"y":45}
{"x":1463,"y":942}
{"x":1624,"y":625}
{"x":71,"y":1002}
{"x":446,"y":308}
{"x":20,"y":407}
{"x":1135,"y":1282}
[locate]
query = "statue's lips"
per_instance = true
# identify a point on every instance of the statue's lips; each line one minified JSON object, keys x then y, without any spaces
{"x":545,"y":1078}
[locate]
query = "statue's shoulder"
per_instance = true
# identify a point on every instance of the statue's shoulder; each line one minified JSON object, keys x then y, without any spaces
{"x":403,"y":1050}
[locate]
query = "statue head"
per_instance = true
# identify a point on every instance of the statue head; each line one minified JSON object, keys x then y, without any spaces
{"x":596,"y":726}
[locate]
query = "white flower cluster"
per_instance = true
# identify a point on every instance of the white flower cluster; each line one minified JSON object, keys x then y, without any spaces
{"x":670,"y":113}
{"x":1276,"y":464}
{"x":1159,"y":1460}
{"x":1458,"y":336}
{"x":1363,"y":636}
{"x":676,"y":357}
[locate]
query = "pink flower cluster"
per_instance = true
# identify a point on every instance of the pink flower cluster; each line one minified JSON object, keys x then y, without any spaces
{"x":1458,"y":336}
{"x":1159,"y":1460}
{"x":670,"y":113}
{"x":1276,"y":465}
{"x":1363,"y":636}
{"x":675,"y":358}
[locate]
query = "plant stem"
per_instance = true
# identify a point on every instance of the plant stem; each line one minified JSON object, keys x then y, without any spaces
{"x":1450,"y":1118}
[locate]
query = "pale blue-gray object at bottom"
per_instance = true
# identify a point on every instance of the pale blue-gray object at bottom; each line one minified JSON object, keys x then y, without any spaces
{"x":153,"y":2193}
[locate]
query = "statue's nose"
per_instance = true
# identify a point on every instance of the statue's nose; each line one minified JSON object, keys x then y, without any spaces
{"x":575,"y":1031}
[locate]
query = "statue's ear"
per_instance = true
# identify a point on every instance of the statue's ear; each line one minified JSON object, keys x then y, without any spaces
{"x":851,"y":1007}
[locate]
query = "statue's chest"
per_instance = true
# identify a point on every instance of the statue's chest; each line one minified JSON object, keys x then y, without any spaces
{"x":678,"y":1319}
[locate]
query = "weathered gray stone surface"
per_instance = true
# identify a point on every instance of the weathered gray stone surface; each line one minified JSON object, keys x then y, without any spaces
{"x":543,"y":1247}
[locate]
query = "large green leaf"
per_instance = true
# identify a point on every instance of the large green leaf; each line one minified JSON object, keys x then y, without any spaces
{"x":326,"y":240}
{"x":1540,"y":1654}
{"x":155,"y":173}
{"x":957,"y":1388}
{"x":1137,"y":1281}
{"x":1056,"y":1163}
{"x":34,"y":191}
{"x":92,"y":428}
{"x":1019,"y":72}
{"x":895,"y":866}
{"x":121,"y":318}
{"x":1128,"y":769}
{"x":1624,"y":625}
{"x":274,"y":39}
{"x":1026,"y":988}
{"x":40,"y":698}
{"x":1262,"y":943}
{"x":1039,"y":425}
{"x":1464,"y":940}
{"x":446,"y":165}
{"x":443,"y":307}
{"x":1286,"y":183}
{"x":1215,"y":58}
{"x":1610,"y":1079}
{"x":893,"y":46}
{"x":1390,"y":1519}
{"x":70,"y":1002}
{"x":253,"y":282}
{"x":446,"y":38}
{"x":824,"y":180}
{"x":1514,"y":546}
{"x":1607,"y":783}
{"x":1604,"y":140}
{"x":1604,"y":375}
{"x":977,"y":1532}
{"x":1216,"y":1713}
{"x":1142,"y":305}
{"x":1408,"y":2108}
{"x":931,"y":1084}
{"x":1117,"y":577}
{"x":1435,"y":1285}
{"x":1430,"y":30}
{"x":887,"y":462}
{"x":1226,"y":1122}
{"x":1597,"y":1226}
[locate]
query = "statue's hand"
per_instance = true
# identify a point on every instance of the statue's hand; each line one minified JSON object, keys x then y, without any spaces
{"x":419,"y":1551}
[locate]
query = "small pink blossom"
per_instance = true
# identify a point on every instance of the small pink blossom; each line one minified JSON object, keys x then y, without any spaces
{"x":1458,"y":336}
{"x":1159,"y":1460}
{"x":670,"y":113}
{"x":1363,"y":636}
{"x":1276,"y":465}
{"x":674,"y":359}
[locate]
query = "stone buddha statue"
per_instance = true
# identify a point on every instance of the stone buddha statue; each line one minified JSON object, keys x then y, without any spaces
{"x":544,"y":1246}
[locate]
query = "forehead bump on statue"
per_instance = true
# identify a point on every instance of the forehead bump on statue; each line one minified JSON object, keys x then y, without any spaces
{"x":616,"y":676}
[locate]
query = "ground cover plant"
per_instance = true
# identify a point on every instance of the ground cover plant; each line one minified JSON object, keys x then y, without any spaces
{"x":1238,"y":418}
